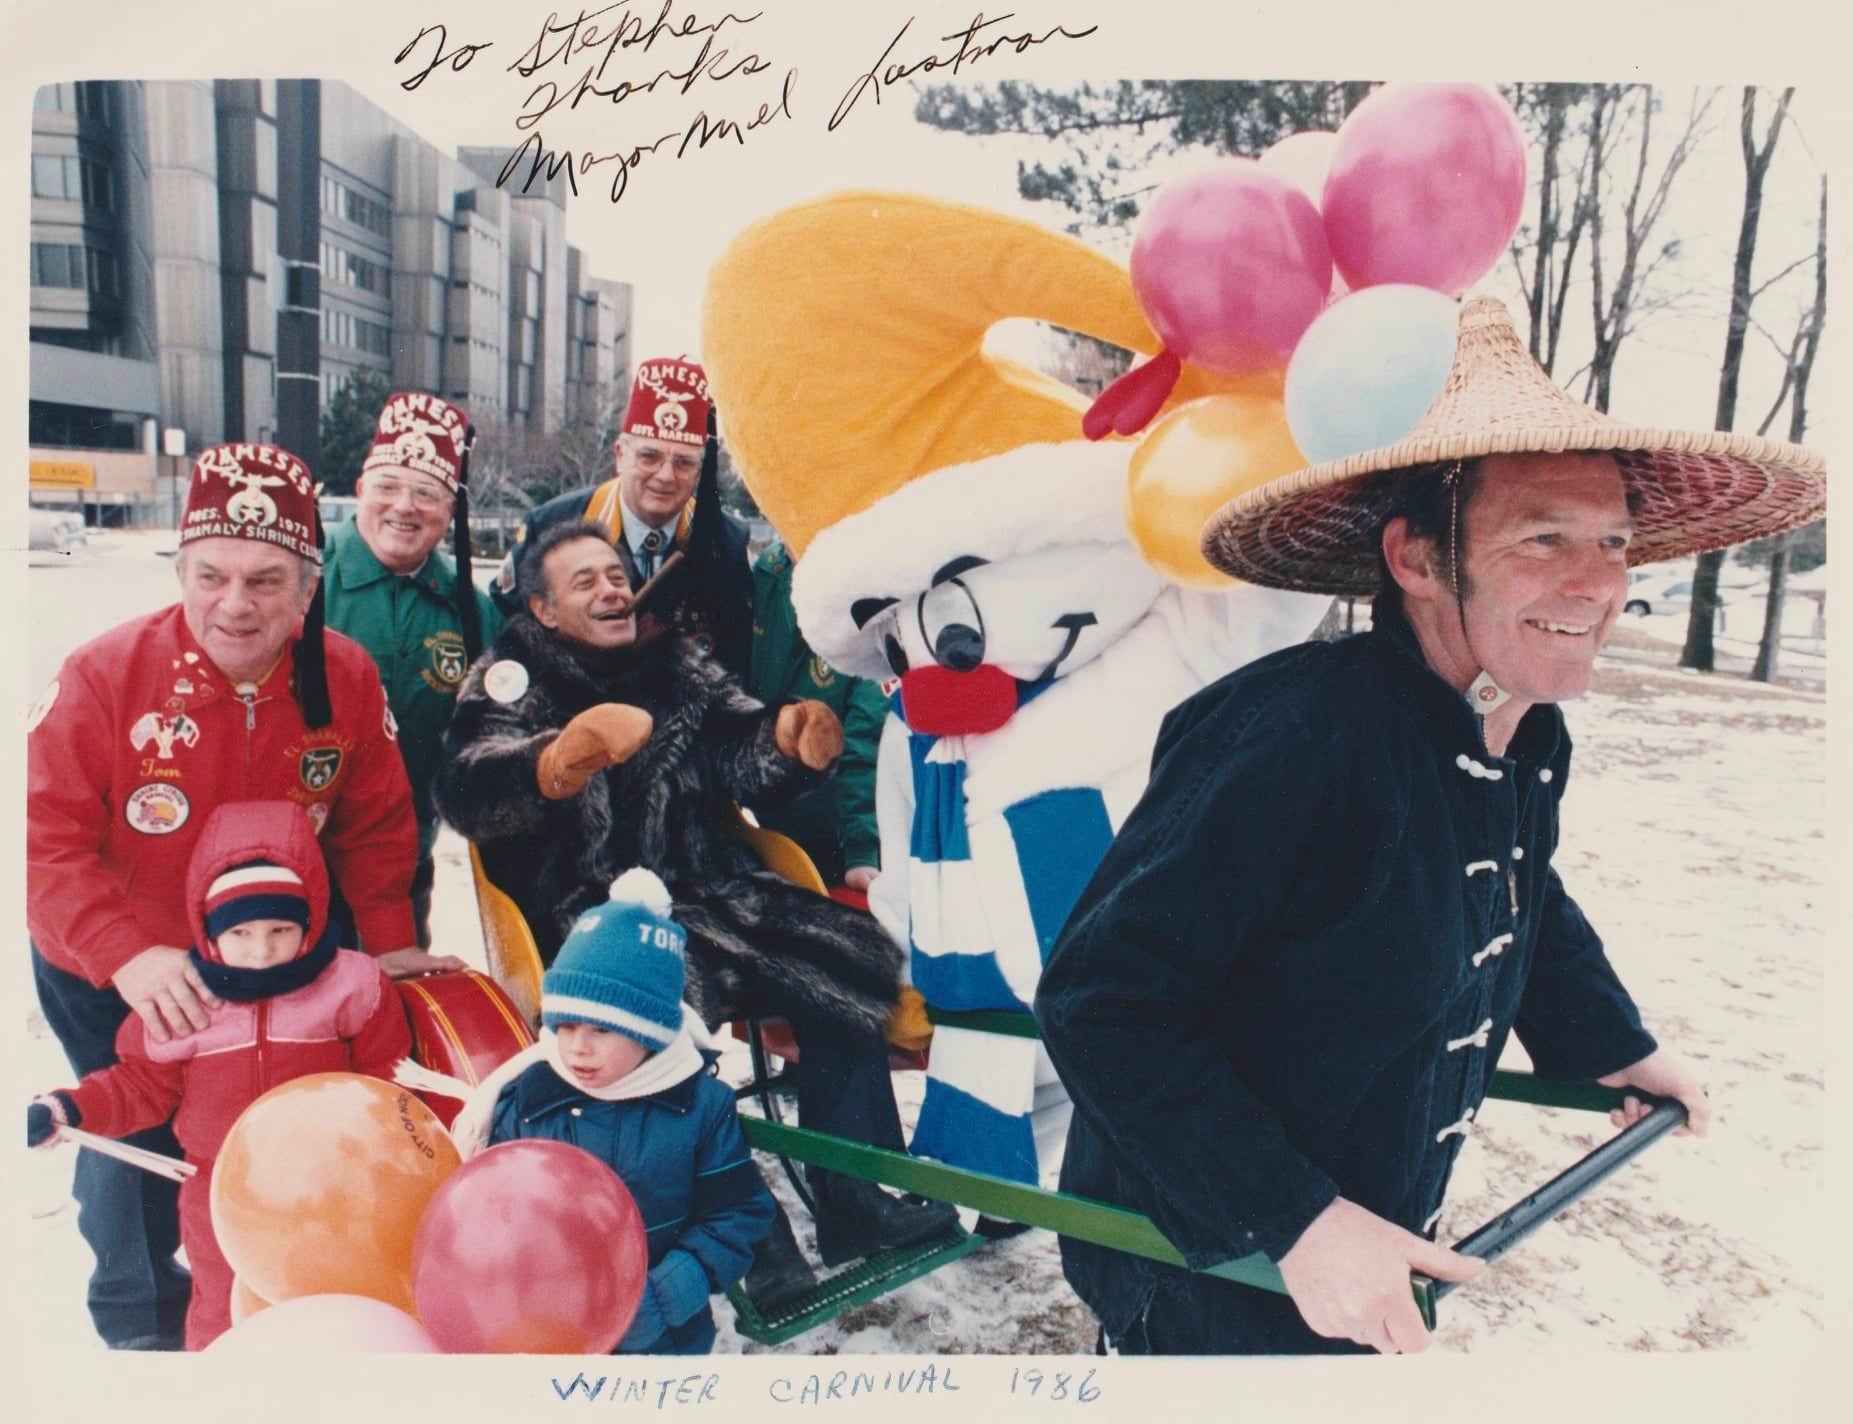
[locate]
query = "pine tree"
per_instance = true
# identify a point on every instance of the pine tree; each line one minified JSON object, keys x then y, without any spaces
{"x":347,"y":428}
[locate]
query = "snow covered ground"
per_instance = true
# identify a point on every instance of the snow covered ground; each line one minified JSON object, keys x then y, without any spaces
{"x":1695,"y":839}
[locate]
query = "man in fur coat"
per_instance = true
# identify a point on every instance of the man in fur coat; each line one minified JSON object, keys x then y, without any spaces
{"x":580,"y":749}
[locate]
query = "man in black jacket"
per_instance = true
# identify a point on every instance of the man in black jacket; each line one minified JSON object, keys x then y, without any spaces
{"x":1279,"y":1003}
{"x":665,"y":517}
{"x":584,"y":744}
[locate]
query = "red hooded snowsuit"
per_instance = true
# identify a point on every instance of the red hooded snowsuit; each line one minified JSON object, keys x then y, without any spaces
{"x":347,"y":1020}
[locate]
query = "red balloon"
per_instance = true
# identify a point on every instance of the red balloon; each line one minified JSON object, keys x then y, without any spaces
{"x":1230,"y":266}
{"x":532,"y":1247}
{"x":1426,"y":186}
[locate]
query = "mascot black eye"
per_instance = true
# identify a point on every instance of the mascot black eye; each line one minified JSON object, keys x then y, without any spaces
{"x":897,"y":658}
{"x":880,"y":618}
{"x":952,"y":626}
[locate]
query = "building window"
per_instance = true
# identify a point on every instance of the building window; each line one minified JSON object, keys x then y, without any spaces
{"x":54,"y":425}
{"x":93,"y":101}
{"x":100,"y":268}
{"x":57,"y":264}
{"x":68,"y":176}
{"x":351,"y":270}
{"x":341,"y":201}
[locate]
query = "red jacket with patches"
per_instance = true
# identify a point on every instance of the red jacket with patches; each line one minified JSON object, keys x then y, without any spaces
{"x":136,"y":742}
{"x":349,"y":1019}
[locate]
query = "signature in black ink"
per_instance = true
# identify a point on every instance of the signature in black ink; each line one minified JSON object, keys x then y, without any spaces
{"x":969,"y":51}
{"x":458,"y":58}
{"x":548,"y":95}
{"x":546,"y":164}
{"x":576,"y":35}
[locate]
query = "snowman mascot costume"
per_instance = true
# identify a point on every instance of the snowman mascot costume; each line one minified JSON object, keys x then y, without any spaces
{"x":959,"y":539}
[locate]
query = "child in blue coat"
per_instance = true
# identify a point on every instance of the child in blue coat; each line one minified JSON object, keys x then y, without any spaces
{"x":616,"y":1073}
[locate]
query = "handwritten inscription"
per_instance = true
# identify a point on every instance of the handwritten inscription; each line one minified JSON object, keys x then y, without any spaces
{"x":970,"y":49}
{"x":573,"y":37}
{"x":569,"y":58}
{"x":545,"y":164}
{"x":458,"y":59}
{"x":934,"y":1379}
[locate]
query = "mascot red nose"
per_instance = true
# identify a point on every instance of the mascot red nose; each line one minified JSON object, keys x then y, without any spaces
{"x":944,"y":702}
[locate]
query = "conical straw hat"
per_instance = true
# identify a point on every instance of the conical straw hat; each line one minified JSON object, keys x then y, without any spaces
{"x":1318,"y":529}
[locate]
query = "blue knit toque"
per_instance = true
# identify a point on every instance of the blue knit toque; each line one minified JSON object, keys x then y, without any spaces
{"x":621,"y":966}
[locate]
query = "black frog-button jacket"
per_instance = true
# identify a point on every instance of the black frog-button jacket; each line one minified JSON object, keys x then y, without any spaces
{"x":1292,"y":974}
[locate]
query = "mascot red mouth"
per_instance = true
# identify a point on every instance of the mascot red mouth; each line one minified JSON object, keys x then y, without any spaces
{"x":940,"y":702}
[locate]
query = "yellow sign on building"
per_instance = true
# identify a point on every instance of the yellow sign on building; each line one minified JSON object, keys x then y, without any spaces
{"x":63,"y":474}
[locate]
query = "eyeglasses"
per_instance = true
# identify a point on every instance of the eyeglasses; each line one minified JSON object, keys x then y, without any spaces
{"x":424,"y":496}
{"x":650,"y":461}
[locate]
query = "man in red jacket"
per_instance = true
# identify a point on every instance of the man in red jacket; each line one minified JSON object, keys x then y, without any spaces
{"x":233,"y":694}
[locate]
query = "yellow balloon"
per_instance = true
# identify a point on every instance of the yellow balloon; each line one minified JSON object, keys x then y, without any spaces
{"x":1194,"y":461}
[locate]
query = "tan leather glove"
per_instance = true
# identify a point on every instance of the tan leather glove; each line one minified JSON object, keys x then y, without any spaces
{"x":598,"y":737}
{"x":809,"y":732}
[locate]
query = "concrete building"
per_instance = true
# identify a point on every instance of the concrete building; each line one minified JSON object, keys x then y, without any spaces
{"x":212,"y":260}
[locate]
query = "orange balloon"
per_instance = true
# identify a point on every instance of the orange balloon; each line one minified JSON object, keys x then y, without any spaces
{"x":245,"y":1302}
{"x":319,"y":1185}
{"x":1194,"y":461}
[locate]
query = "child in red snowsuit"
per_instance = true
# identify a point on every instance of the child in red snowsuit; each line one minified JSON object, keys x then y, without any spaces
{"x":291,"y":1004}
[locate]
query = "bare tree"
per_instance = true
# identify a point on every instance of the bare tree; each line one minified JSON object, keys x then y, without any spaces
{"x":583,"y":446}
{"x":1699,"y":652}
{"x":1795,"y":385}
{"x":1546,"y":110}
{"x":1626,"y":291}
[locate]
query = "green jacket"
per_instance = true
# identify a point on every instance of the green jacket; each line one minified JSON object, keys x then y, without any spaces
{"x":835,"y":823}
{"x":409,"y":625}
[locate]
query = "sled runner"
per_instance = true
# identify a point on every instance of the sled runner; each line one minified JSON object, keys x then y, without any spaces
{"x":515,"y":963}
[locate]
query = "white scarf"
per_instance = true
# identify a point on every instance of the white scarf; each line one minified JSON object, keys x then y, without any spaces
{"x":678,"y":1061}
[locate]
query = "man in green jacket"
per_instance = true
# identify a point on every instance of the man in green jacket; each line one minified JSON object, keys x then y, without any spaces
{"x":835,"y":823}
{"x":391,"y":589}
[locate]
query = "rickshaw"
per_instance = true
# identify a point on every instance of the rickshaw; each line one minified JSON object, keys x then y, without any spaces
{"x":514,"y":963}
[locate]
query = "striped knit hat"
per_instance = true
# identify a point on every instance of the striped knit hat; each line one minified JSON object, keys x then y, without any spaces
{"x":621,"y":966}
{"x":256,"y":890}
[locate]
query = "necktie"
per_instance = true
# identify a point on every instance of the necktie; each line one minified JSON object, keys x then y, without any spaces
{"x":652,"y":543}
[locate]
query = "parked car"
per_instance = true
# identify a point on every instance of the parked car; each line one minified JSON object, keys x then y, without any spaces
{"x":55,"y":531}
{"x":1662,"y":595}
{"x":336,"y":508}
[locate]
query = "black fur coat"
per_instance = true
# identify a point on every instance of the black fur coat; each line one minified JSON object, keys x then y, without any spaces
{"x":757,"y":944}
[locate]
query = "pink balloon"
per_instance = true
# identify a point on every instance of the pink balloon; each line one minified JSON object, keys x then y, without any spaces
{"x":1303,"y":159}
{"x":1426,"y":186}
{"x":532,"y":1247}
{"x":1230,"y":266}
{"x":310,"y":1324}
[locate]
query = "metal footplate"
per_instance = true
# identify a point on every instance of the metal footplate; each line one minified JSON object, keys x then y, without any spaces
{"x":852,"y":1286}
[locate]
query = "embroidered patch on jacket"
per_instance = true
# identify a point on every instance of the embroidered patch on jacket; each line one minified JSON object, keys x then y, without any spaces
{"x":448,"y":663}
{"x":822,"y":674}
{"x":317,"y":812}
{"x":157,"y":809}
{"x":319,"y":766}
{"x":162,"y":732}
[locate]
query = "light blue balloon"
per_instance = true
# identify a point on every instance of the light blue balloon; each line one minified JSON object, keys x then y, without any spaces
{"x":1368,"y":369}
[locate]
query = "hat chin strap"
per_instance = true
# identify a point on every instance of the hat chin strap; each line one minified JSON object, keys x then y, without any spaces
{"x":1483,"y":694}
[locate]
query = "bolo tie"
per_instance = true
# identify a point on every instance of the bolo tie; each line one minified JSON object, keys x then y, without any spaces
{"x":652,"y":545}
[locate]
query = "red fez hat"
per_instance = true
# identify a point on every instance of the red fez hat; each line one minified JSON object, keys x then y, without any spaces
{"x":422,"y":434}
{"x":669,"y":401}
{"x":257,"y":492}
{"x":265,"y":494}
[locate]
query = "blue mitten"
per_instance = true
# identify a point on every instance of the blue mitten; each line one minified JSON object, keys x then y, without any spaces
{"x":44,"y":1116}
